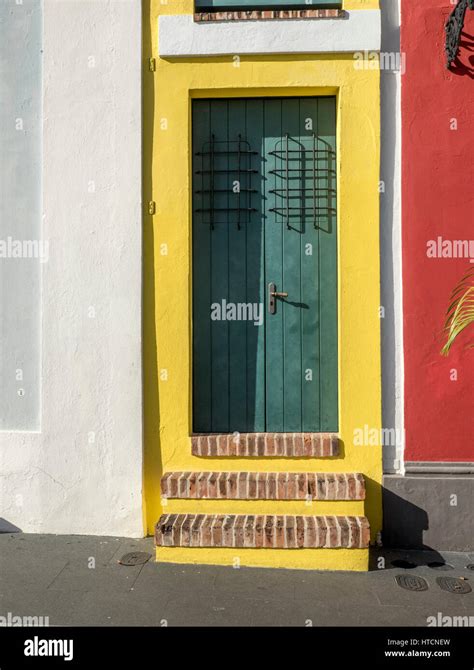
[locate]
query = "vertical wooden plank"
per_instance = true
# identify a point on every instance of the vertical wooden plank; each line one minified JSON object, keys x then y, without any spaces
{"x":237,"y":267}
{"x":255,"y":273}
{"x":273,"y":223}
{"x":220,"y":270}
{"x":202,"y":389}
{"x":328,"y":268}
{"x":310,"y":276}
{"x":291,"y":307}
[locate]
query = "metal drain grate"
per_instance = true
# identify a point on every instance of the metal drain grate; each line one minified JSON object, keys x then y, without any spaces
{"x":440,"y":565}
{"x":453,"y":585}
{"x":135,"y":558}
{"x":412,"y":582}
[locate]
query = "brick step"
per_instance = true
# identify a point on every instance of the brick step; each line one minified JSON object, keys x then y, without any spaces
{"x":274,"y":445}
{"x":263,"y":486}
{"x":262,"y":531}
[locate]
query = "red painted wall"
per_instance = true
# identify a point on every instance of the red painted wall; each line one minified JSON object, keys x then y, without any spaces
{"x":437,"y":200}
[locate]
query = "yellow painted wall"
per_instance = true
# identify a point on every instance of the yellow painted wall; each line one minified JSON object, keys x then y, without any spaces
{"x":360,"y":4}
{"x":167,"y":270}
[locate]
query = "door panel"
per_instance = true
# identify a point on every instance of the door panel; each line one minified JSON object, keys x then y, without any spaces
{"x":290,"y":257}
{"x":328,"y":264}
{"x":202,"y":325}
{"x":310,"y":280}
{"x":274,"y":336}
{"x":237,"y":265}
{"x":219,"y":271}
{"x":264,"y":198}
{"x":255,"y":274}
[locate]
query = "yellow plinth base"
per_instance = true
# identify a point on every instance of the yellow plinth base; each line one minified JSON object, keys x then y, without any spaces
{"x":293,"y":559}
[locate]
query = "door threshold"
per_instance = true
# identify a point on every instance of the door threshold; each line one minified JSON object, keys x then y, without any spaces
{"x":269,"y":445}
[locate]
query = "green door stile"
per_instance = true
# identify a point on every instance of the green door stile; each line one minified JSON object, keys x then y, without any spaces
{"x":202,"y":332}
{"x":310,"y":283}
{"x":274,"y":335}
{"x":262,"y":169}
{"x":328,"y":268}
{"x":292,"y":233}
{"x":219,"y":271}
{"x":237,"y":278}
{"x":255,"y":274}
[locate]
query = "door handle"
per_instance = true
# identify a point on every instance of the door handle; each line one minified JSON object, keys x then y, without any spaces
{"x":273,"y":294}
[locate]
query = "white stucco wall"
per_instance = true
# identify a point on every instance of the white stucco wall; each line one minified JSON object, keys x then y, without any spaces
{"x":82,"y":471}
{"x":181,"y":36}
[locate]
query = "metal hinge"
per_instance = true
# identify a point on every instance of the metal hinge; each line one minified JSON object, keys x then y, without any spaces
{"x":152,"y":207}
{"x":152,"y":64}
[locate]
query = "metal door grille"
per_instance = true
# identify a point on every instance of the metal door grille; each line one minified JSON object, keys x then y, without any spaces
{"x":305,"y":179}
{"x":236,"y":178}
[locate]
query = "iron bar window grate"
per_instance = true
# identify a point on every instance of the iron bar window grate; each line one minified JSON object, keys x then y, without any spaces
{"x":226,"y":181}
{"x":305,"y":180}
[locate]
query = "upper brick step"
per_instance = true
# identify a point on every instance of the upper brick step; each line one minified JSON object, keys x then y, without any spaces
{"x":263,"y":485}
{"x":258,"y":14}
{"x":262,"y":532}
{"x":284,"y":445}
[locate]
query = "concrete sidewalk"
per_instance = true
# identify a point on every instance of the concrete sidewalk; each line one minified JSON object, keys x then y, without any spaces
{"x":48,"y":575}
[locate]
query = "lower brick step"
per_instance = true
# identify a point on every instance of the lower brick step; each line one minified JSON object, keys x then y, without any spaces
{"x":263,"y":485}
{"x":262,"y":531}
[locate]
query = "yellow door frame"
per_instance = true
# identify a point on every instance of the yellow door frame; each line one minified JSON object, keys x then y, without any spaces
{"x":167,"y":262}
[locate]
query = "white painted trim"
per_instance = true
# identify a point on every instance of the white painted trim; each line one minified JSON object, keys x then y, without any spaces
{"x":391,"y":242}
{"x":180,"y":36}
{"x":445,"y":468}
{"x":399,"y":332}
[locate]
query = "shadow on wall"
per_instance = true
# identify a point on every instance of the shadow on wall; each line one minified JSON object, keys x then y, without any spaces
{"x":404,"y":526}
{"x":409,"y":533}
{"x":403,"y":529}
{"x":7,"y":527}
{"x":153,"y":468}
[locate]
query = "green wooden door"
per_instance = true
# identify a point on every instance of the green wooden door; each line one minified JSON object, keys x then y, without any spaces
{"x":264,"y":221}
